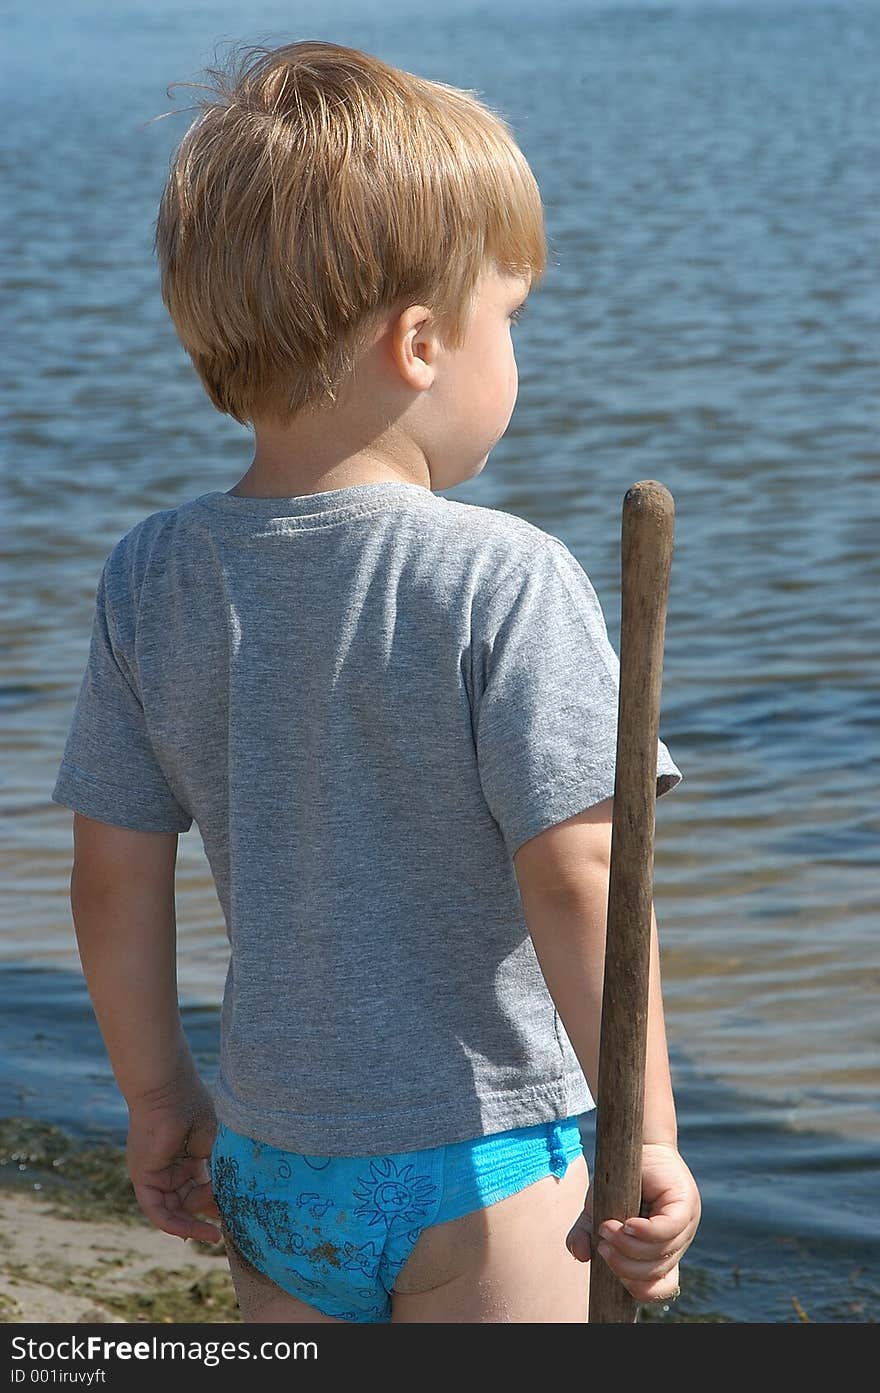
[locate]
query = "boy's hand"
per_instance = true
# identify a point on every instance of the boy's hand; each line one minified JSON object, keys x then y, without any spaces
{"x":646,"y":1259}
{"x":169,"y":1143}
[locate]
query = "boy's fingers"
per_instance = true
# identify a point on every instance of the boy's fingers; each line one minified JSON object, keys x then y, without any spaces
{"x":578,"y":1240}
{"x":179,"y":1175}
{"x":167,"y":1210}
{"x":641,"y":1249}
{"x":662,"y":1229}
{"x":666,"y":1289}
{"x":200,"y":1200}
{"x":633,"y":1270}
{"x":205,"y":1232}
{"x":179,"y":1224}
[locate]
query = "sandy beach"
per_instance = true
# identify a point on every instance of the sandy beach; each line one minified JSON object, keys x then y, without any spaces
{"x":59,"y":1269}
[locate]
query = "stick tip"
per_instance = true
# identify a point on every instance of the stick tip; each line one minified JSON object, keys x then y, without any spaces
{"x":650,"y":496}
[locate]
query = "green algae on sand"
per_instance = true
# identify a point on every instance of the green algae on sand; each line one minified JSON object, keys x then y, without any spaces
{"x":82,"y":1179}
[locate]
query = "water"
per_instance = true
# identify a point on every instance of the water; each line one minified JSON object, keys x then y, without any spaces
{"x":709,"y":320}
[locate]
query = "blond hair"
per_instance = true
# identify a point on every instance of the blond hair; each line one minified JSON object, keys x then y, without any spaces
{"x":319,"y":191}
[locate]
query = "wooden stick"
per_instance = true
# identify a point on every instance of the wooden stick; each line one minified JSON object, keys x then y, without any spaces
{"x":646,"y":554}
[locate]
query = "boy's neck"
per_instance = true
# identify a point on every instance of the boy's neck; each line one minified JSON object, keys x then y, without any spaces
{"x":318,"y":455}
{"x":262,"y":482}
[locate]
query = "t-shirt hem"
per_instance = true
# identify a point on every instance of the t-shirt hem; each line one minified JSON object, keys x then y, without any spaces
{"x":407,"y":1129}
{"x":555,"y":803}
{"x":83,"y":793}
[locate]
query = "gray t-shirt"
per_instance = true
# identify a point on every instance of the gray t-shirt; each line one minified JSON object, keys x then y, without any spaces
{"x":366,"y":699}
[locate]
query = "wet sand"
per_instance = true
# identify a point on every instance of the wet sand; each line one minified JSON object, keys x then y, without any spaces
{"x":57,"y":1269}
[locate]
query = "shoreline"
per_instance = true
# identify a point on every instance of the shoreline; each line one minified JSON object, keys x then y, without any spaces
{"x":56,"y":1269}
{"x":75,"y":1246}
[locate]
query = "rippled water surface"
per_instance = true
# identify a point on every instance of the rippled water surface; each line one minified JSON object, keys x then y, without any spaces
{"x":710,"y":319}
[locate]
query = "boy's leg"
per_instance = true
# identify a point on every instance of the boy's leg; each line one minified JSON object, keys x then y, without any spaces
{"x":506,"y":1262}
{"x":260,"y":1300}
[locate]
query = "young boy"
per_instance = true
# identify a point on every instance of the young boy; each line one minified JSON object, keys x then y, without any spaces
{"x":393,"y":719}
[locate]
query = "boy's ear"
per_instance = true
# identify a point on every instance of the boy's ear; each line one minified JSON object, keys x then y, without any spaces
{"x":413,"y":346}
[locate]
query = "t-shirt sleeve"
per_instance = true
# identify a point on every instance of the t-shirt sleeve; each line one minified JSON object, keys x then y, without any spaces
{"x":546,"y":719}
{"x":109,"y":769}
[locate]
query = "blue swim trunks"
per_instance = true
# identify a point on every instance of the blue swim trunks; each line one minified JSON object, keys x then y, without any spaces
{"x":336,"y":1230}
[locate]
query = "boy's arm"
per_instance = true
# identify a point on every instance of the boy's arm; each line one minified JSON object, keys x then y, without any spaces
{"x":122,"y":899}
{"x":563,"y":877}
